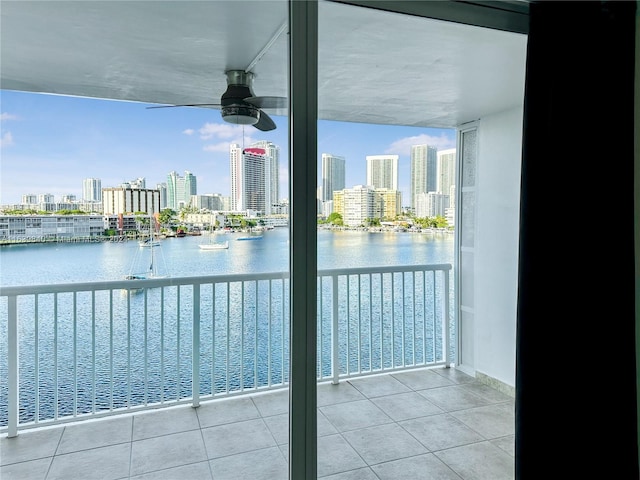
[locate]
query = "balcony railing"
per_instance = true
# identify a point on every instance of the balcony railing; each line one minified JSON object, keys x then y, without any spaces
{"x":91,"y":349}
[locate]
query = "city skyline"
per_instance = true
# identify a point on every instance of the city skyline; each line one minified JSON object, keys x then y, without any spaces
{"x":50,"y":144}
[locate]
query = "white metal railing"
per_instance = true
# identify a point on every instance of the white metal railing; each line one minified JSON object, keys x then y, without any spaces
{"x":100,"y":348}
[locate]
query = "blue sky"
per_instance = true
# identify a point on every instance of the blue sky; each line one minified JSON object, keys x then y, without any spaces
{"x":50,"y":143}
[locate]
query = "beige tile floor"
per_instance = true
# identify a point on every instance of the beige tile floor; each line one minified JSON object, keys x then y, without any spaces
{"x":420,"y":425}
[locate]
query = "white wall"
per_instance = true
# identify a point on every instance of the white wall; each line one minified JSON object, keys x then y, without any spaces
{"x":496,"y":246}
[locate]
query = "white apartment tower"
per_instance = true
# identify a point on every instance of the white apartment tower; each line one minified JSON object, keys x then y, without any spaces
{"x":272,"y":171}
{"x":332,"y":175}
{"x":446,"y":171}
{"x":249,"y":179}
{"x":92,"y":190}
{"x":424,"y":171}
{"x":123,"y":200}
{"x":382,"y":171}
{"x":235,"y":170}
{"x":355,"y":204}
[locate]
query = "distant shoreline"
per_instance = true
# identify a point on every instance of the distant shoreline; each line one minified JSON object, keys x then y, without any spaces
{"x":125,"y":238}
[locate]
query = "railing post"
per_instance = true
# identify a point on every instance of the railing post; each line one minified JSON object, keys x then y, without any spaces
{"x":195,"y":360}
{"x":13,"y":366}
{"x":445,"y":320}
{"x":335,"y":358}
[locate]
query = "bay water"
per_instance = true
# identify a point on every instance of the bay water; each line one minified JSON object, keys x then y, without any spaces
{"x":55,"y":263}
{"x":36,"y":264}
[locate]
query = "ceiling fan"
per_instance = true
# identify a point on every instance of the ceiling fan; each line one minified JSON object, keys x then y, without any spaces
{"x":239,"y":105}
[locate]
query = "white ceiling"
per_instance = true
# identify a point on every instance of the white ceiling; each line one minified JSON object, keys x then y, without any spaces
{"x":374,"y":66}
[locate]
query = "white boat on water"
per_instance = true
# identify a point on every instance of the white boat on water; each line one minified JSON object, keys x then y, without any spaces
{"x":152,"y":257}
{"x":214,"y":246}
{"x":149,"y":242}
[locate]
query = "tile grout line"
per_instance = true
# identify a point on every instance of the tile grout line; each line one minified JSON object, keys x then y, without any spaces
{"x":204,"y":444}
{"x":55,"y":452}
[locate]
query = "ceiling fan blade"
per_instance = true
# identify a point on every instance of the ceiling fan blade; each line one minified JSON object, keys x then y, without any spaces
{"x":267,"y":102}
{"x":265,"y":123}
{"x":188,"y":105}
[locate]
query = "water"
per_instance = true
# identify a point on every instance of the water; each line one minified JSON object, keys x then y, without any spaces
{"x":36,"y":264}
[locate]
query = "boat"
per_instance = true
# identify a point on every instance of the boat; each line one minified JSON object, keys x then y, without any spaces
{"x":152,"y":257}
{"x":250,"y":237}
{"x":214,"y":245}
{"x":149,"y":242}
{"x":254,"y":234}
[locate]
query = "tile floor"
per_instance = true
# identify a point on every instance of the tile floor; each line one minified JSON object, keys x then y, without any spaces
{"x":420,"y":425}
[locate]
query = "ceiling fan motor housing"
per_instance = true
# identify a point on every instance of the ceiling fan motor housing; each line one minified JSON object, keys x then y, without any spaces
{"x":234,"y":109}
{"x":241,"y":114}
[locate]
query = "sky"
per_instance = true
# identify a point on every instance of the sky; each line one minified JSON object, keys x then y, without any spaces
{"x":51,"y":143}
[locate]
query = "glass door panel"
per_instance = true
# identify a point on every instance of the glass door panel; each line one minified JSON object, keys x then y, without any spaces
{"x":385,"y":245}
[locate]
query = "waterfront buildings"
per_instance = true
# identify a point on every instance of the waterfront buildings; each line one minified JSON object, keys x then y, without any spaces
{"x":22,"y":228}
{"x":46,"y":203}
{"x":361,"y":203}
{"x":119,"y":200}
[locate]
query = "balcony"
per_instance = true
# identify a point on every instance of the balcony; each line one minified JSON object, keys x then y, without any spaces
{"x":129,"y":385}
{"x":425,"y":423}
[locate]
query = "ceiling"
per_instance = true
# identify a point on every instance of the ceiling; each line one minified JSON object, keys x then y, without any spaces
{"x":374,"y":66}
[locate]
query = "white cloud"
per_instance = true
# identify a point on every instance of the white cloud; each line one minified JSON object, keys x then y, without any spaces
{"x":219,"y":130}
{"x":189,"y":131}
{"x":7,"y":116}
{"x":224,"y":146}
{"x":6,"y":140}
{"x":216,"y":147}
{"x":403,"y":146}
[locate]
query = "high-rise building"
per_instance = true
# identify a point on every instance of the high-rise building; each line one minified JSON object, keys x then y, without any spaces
{"x":162,"y":188}
{"x":355,"y":205}
{"x":92,"y":190}
{"x":332,"y":175}
{"x":446,"y":170}
{"x":180,"y":189}
{"x":209,"y":201}
{"x":254,"y":180}
{"x":272,"y":173}
{"x":29,"y":199}
{"x":249,"y":179}
{"x":431,"y":204}
{"x":235,"y":171}
{"x":120,"y":200}
{"x":139,"y":182}
{"x":424,"y":171}
{"x":387,"y":203}
{"x":382,"y":171}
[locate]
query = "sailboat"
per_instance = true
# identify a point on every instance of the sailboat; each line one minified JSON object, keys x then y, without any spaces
{"x":152,"y":256}
{"x":151,"y":240}
{"x":211,"y":245}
